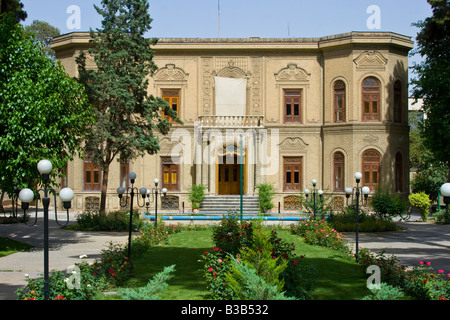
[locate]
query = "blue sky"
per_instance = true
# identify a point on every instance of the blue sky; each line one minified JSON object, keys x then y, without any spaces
{"x":247,"y":18}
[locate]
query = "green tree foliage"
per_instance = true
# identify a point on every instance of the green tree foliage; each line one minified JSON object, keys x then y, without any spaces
{"x":126,"y":116}
{"x":153,"y":287}
{"x":14,"y":6}
{"x":44,"y":112}
{"x":433,"y":78}
{"x":43,"y":32}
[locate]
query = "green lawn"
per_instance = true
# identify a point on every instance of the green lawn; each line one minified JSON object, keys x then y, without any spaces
{"x":8,"y":246}
{"x":338,"y":278}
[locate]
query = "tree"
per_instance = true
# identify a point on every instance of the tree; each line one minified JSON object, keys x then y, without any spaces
{"x":44,"y":112}
{"x":126,"y":116}
{"x":14,"y":6}
{"x":433,"y":79}
{"x":44,"y":33}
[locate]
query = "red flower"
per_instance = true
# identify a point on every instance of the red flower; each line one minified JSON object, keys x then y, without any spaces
{"x":60,"y":297}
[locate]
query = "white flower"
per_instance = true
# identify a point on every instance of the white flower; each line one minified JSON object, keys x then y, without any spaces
{"x":83,"y":256}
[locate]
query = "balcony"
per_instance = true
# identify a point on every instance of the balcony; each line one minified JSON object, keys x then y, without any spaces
{"x":250,"y":121}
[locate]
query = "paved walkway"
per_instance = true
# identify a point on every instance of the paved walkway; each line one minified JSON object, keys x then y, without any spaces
{"x":425,"y":241}
{"x":420,"y":241}
{"x":65,"y":249}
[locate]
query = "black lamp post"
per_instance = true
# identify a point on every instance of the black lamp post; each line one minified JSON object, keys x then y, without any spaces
{"x":27,"y":195}
{"x":319,"y":192}
{"x":132,"y":191}
{"x":357,"y":191}
{"x":155,"y":192}
{"x":445,"y":191}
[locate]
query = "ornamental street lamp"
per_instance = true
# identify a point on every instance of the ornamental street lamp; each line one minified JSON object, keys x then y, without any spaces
{"x":319,"y":192}
{"x":357,"y":191}
{"x":155,"y":192}
{"x":132,"y":191}
{"x":27,"y":195}
{"x":445,"y":191}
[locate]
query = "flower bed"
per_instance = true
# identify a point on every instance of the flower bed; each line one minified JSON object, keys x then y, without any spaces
{"x":267,"y":260}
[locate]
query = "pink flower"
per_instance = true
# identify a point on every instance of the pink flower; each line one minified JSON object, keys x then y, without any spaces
{"x":420,"y":262}
{"x":295,"y":263}
{"x":428,"y":263}
{"x":441,"y":271}
{"x":210,"y":269}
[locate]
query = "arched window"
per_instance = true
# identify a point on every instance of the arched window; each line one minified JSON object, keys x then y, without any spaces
{"x":339,"y":171}
{"x":371,"y":99}
{"x":398,"y":102}
{"x":398,"y":172}
{"x":371,"y":160}
{"x":339,"y":101}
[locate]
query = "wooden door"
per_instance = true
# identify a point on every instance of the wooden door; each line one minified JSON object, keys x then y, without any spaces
{"x":229,"y":178}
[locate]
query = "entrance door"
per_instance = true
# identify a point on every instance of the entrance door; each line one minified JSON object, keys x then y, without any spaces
{"x":229,"y":178}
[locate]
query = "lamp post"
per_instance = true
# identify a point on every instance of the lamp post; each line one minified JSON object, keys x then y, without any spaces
{"x":27,"y":195}
{"x":445,"y":191}
{"x":155,"y":192}
{"x":319,"y":192}
{"x":357,"y":191}
{"x":132,"y":191}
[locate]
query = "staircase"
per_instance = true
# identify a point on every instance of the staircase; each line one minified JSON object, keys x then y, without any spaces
{"x":224,"y":204}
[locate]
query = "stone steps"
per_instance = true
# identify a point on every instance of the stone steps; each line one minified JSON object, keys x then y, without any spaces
{"x":224,"y":204}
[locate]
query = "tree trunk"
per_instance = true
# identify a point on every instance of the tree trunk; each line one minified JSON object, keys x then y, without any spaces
{"x":105,"y":175}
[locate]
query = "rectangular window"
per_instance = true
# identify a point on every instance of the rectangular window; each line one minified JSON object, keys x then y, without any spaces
{"x":292,"y":105}
{"x":170,"y":172}
{"x":172,"y":97}
{"x":92,"y":177}
{"x":292,"y":174}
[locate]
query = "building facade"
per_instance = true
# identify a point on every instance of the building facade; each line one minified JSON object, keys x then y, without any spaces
{"x":281,"y":111}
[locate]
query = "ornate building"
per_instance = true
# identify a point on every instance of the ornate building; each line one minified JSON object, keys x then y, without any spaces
{"x":291,"y":110}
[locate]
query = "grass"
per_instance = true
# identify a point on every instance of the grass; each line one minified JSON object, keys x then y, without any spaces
{"x":8,"y":246}
{"x":338,"y":277}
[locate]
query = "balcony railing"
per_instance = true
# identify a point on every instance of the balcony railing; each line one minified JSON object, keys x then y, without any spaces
{"x":250,"y":121}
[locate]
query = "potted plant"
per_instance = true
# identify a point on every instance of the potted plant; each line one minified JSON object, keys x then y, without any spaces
{"x":196,"y":196}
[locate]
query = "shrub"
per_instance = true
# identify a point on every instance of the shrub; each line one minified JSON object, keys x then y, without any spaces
{"x":90,"y":283}
{"x":346,"y":222}
{"x":319,"y":232}
{"x":265,"y":196}
{"x":150,"y":291}
{"x":196,"y":195}
{"x":112,"y":221}
{"x":387,"y":205}
{"x":149,"y":235}
{"x":231,"y":235}
{"x":215,"y":265}
{"x":384,"y":292}
{"x":114,"y":264}
{"x":391,"y":272}
{"x":422,"y":202}
{"x":248,"y":284}
{"x":272,"y":259}
{"x":423,"y":283}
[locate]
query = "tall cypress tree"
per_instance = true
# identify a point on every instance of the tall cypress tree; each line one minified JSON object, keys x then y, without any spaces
{"x":127,"y":116}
